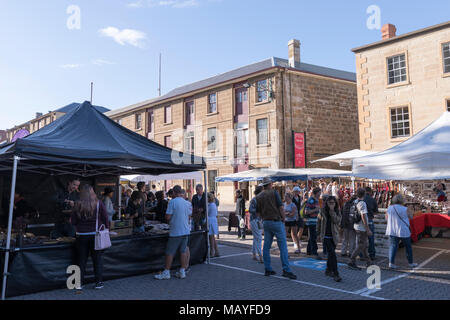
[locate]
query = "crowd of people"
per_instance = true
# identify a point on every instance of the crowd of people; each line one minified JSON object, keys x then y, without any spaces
{"x":332,"y":215}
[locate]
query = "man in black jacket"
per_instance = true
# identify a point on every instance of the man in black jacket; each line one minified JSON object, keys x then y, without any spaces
{"x":199,"y":209}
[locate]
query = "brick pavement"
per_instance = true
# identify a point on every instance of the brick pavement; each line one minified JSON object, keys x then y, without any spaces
{"x":236,"y":276}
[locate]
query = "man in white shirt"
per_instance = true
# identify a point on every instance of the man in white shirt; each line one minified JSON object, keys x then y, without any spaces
{"x":178,"y":212}
{"x":362,"y":231}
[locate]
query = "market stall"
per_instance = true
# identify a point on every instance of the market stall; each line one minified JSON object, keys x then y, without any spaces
{"x":417,"y":166}
{"x":86,"y":144}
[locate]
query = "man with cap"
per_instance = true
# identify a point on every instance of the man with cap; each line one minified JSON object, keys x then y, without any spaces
{"x":270,"y":208}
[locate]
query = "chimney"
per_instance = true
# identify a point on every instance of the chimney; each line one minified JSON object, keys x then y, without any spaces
{"x":294,"y":53}
{"x":38,"y":114}
{"x":388,"y":31}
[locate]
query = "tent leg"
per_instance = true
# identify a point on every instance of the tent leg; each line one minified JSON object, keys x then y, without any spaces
{"x":353,"y":185}
{"x":8,"y":239}
{"x":206,"y":213}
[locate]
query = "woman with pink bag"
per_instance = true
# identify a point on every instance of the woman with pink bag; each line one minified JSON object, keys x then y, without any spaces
{"x":89,"y":215}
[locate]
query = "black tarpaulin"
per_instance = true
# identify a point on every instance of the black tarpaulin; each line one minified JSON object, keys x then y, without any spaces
{"x":86,"y":142}
{"x":44,"y":268}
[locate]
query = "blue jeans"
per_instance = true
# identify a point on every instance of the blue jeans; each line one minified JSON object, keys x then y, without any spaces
{"x":372,"y":240}
{"x":139,"y":229}
{"x":393,"y":246}
{"x":312,"y":240}
{"x":275,"y":228}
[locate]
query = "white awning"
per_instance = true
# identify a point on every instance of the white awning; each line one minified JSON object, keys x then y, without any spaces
{"x":424,"y":156}
{"x":283,"y":174}
{"x":345,"y":158}
{"x":195,"y":175}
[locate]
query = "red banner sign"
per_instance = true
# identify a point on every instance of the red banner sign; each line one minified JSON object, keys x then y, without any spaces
{"x":299,"y":150}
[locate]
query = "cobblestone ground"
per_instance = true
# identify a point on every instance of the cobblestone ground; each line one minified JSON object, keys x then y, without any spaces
{"x":235,"y":276}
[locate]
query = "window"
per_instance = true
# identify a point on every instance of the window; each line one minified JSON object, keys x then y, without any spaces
{"x":448,"y":105}
{"x":446,"y":57}
{"x":212,"y":174}
{"x":400,"y":125}
{"x":189,"y":109}
{"x":212,"y":139}
{"x":168,"y":114}
{"x":138,"y":121}
{"x":261,"y":131}
{"x":212,"y":103}
{"x":396,"y":69}
{"x":261,"y":90}
{"x":241,"y":143}
{"x":151,"y":122}
{"x":189,"y":143}
{"x":168,"y":141}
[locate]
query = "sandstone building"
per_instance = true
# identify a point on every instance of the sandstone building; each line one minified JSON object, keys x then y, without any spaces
{"x":245,"y":118}
{"x":403,"y":84}
{"x":41,"y":120}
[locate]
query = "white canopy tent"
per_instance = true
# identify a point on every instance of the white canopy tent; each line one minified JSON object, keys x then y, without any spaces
{"x":283,"y":174}
{"x":345,"y":158}
{"x":424,"y":156}
{"x":196,"y":175}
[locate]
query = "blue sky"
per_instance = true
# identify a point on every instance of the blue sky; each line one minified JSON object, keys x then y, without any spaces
{"x":45,"y":65}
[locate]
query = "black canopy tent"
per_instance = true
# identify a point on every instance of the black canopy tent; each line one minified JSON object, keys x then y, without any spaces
{"x":86,"y":143}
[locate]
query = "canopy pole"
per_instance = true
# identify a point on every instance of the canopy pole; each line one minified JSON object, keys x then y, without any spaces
{"x":8,"y":239}
{"x":206,"y":213}
{"x":353,"y":185}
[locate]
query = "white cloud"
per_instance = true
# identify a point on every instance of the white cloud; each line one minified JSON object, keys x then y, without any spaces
{"x":164,"y":3}
{"x":137,"y":4}
{"x":125,"y":36}
{"x":70,"y":66}
{"x":101,"y":62}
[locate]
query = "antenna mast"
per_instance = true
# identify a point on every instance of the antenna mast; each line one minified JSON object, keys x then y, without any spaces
{"x":159,"y":87}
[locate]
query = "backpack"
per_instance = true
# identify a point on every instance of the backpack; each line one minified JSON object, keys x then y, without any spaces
{"x":302,"y":210}
{"x":354,"y":215}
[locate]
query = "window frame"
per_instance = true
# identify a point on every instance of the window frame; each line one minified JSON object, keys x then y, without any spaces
{"x":266,"y":91}
{"x":447,"y":104}
{"x":165,"y":141}
{"x":386,"y":66}
{"x":191,"y":137}
{"x":441,"y":49}
{"x":136,"y":121}
{"x":257,"y":132}
{"x":165,"y":114}
{"x":215,"y":140}
{"x":208,"y":111}
{"x":411,"y":133}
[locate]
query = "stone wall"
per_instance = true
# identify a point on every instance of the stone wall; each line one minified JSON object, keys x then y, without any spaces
{"x":425,"y":92}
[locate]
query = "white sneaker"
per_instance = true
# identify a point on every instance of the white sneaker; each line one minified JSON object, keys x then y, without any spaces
{"x":163,"y":276}
{"x":392,"y":266}
{"x":180,"y":274}
{"x":413,"y":265}
{"x":295,"y":246}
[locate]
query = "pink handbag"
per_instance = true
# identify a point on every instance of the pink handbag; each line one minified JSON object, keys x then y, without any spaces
{"x":102,"y":239}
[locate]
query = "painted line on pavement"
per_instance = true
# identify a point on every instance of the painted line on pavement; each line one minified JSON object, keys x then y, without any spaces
{"x":297,"y":281}
{"x":232,"y":255}
{"x":430,"y":248}
{"x":366,"y":292}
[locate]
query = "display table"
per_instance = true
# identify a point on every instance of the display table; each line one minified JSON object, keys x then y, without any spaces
{"x":40,"y":268}
{"x":435,"y":220}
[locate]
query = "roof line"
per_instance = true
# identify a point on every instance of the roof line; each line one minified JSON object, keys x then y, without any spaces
{"x":156,"y":101}
{"x":403,"y":36}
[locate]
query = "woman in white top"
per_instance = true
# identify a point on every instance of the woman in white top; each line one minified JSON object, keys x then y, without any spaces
{"x":212,"y":225}
{"x":397,"y":217}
